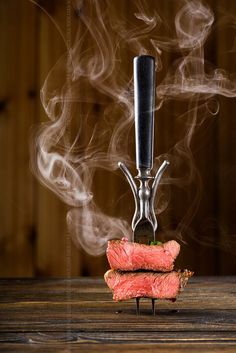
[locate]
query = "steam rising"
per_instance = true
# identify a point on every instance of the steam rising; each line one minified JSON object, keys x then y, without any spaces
{"x":78,"y":139}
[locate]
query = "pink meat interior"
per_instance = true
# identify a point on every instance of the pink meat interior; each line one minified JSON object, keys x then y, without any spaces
{"x":129,"y":256}
{"x":144,"y":284}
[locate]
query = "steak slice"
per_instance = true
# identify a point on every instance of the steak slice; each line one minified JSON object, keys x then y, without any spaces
{"x":128,"y":256}
{"x":128,"y":285}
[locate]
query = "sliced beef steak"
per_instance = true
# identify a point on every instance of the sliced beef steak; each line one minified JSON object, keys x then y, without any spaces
{"x":128,"y":256}
{"x":128,"y":285}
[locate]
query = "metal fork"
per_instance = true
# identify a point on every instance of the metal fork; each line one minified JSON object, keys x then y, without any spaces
{"x":144,"y":223}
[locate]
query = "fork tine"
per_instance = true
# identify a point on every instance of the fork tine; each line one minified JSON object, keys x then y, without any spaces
{"x":137,"y":306}
{"x":153,"y":307}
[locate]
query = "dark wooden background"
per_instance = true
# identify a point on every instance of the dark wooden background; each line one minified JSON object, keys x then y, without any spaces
{"x":33,"y":235}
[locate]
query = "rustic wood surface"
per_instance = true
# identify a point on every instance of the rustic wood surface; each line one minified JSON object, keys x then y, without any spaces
{"x":78,"y":315}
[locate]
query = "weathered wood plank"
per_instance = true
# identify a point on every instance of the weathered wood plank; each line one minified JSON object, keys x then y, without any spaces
{"x":92,"y":319}
{"x":87,"y":305}
{"x":95,"y":318}
{"x":79,"y":315}
{"x":116,"y":337}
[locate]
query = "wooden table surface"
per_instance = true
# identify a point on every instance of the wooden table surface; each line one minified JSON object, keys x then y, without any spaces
{"x":79,"y":315}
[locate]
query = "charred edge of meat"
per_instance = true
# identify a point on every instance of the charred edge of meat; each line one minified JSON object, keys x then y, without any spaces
{"x":185,"y":275}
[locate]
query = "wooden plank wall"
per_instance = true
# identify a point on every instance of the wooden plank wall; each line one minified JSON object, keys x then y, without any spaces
{"x":226,"y":145}
{"x":18,"y":80}
{"x":52,"y":254}
{"x":33,"y":235}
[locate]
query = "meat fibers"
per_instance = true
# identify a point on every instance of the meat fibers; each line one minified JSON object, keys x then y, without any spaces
{"x":128,"y":285}
{"x":128,"y":256}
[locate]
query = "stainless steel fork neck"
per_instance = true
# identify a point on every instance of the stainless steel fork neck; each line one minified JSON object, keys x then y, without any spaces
{"x":143,"y":195}
{"x":144,"y":173}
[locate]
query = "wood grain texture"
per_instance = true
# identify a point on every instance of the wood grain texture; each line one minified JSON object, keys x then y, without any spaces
{"x":79,"y":314}
{"x":18,"y":106}
{"x":226,"y":146}
{"x":51,"y":258}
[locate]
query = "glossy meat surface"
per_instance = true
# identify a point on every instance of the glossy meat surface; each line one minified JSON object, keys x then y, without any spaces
{"x":128,"y":256}
{"x":128,"y":285}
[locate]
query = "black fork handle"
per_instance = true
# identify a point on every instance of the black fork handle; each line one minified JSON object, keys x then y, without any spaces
{"x":144,"y":102}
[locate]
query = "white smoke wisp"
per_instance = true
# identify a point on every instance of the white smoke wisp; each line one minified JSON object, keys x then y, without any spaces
{"x":97,"y":228}
{"x":77,"y":141}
